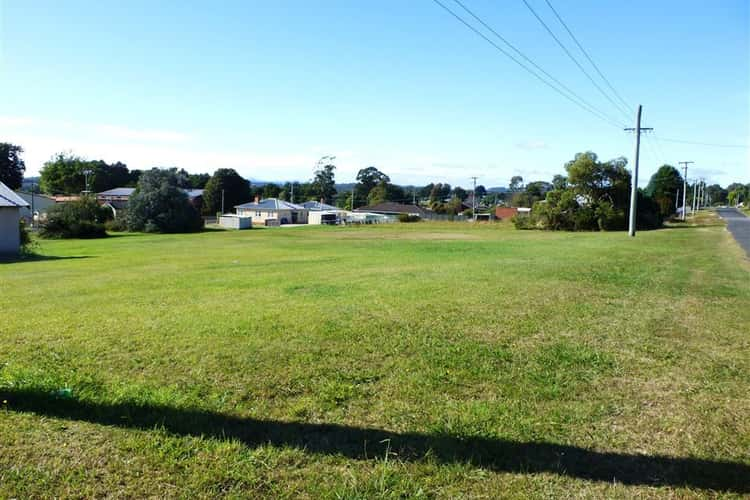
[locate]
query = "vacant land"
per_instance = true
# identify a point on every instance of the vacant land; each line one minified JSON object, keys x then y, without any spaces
{"x":436,"y":360}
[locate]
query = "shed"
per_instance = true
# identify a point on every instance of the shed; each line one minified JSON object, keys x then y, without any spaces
{"x":234,"y":221}
{"x":10,"y":218}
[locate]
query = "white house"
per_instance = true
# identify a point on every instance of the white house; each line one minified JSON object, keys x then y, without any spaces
{"x":10,"y":218}
{"x":321,"y":213}
{"x":273,"y":212}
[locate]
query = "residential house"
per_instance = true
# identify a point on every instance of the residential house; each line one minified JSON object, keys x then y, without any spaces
{"x":393,"y":208}
{"x":273,"y":212}
{"x":321,"y":213}
{"x":117,"y":198}
{"x":10,"y":218}
{"x":39,"y":205}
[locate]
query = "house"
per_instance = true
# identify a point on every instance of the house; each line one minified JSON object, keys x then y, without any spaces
{"x":393,"y":208}
{"x":10,"y":218}
{"x":117,"y":198}
{"x":273,"y":212}
{"x":321,"y":213}
{"x":39,"y":205}
{"x":502,"y":213}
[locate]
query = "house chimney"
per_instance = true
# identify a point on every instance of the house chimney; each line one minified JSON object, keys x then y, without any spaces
{"x":257,"y":199}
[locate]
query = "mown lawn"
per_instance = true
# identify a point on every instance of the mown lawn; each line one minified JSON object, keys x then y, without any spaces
{"x":435,"y":360}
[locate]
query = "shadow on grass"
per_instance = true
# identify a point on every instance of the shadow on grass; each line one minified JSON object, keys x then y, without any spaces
{"x":33,"y":257}
{"x":363,"y":444}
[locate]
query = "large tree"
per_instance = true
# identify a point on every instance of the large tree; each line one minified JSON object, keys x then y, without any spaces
{"x":324,"y":184}
{"x":235,"y":187}
{"x":367,"y":179}
{"x":65,"y":174}
{"x":663,"y":188}
{"x":12,"y":166}
{"x":160,"y":204}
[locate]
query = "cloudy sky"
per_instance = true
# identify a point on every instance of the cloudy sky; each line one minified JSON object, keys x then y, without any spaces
{"x":269,"y":87}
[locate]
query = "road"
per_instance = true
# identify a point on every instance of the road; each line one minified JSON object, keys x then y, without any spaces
{"x":739,"y":225}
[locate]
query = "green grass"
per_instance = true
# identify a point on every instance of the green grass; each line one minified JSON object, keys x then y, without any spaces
{"x":434,"y":360}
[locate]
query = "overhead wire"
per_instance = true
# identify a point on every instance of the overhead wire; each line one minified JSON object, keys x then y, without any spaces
{"x":588,"y":57}
{"x":583,"y":105}
{"x":575,"y":61}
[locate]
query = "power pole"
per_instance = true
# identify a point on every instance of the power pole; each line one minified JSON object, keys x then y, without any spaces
{"x":222,"y":201}
{"x":414,"y":196}
{"x":677,"y":200}
{"x":695,"y":195}
{"x":474,"y":200}
{"x":291,"y":198}
{"x":634,"y":188}
{"x":684,"y":186}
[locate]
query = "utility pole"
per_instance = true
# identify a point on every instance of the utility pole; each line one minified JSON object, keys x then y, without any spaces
{"x":677,"y":200}
{"x":684,"y":186}
{"x":222,"y":202}
{"x":634,"y":188}
{"x":474,"y":200}
{"x":291,"y":198}
{"x":414,"y":196}
{"x":695,"y":194}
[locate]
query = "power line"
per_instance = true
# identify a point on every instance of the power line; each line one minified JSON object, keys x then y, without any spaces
{"x":527,"y":59}
{"x":536,"y":75}
{"x":617,"y":94}
{"x":572,"y":58}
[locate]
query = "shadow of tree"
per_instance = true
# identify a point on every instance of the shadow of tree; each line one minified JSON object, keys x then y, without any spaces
{"x":364,"y":443}
{"x":33,"y":257}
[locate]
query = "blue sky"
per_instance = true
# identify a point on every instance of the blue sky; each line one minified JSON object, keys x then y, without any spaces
{"x":268,"y":87}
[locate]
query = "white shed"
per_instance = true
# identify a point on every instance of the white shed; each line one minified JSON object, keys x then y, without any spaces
{"x":233,"y":221}
{"x":10,"y":217}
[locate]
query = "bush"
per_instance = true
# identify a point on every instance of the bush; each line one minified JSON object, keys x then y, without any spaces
{"x":117,"y":225}
{"x":408,"y":218}
{"x":83,"y":218}
{"x":160,"y":206}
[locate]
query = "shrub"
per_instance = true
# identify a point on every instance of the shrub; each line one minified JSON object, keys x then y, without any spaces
{"x":83,"y":218}
{"x":160,"y":206}
{"x":117,"y":225}
{"x":408,"y":218}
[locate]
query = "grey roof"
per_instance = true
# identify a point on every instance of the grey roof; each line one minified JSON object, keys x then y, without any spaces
{"x":393,"y":208}
{"x":128,"y":191}
{"x":271,"y":204}
{"x":193,"y":193}
{"x":10,"y":199}
{"x":318,"y":206}
{"x":117,"y":192}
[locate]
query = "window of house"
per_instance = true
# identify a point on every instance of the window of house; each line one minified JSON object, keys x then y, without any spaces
{"x":257,"y":213}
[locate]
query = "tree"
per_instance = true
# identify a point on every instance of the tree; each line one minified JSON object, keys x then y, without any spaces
{"x":271,"y":190}
{"x":663,"y":187}
{"x":367,"y":179}
{"x":159,"y":205}
{"x":385,"y":191}
{"x":236,"y":191}
{"x":82,"y":218}
{"x":324,"y":184}
{"x":63,"y":174}
{"x":481,"y":192}
{"x":198,"y":181}
{"x":516,"y":184}
{"x":460,"y":193}
{"x":559,"y":182}
{"x":12,"y":166}
{"x":716,"y":194}
{"x":105,"y":176}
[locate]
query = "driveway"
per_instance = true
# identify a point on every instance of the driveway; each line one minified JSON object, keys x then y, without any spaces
{"x":739,"y":225}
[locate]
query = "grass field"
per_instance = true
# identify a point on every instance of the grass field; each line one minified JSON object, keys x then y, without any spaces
{"x":434,"y":360}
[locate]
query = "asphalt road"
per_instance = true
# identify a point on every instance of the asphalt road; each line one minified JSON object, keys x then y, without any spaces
{"x":739,"y":225}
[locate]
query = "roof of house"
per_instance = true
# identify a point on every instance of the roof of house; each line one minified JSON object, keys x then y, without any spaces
{"x":128,"y":191}
{"x":121,"y":191}
{"x":10,"y":199}
{"x":317,"y":206}
{"x":390,"y":207}
{"x":271,"y":204}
